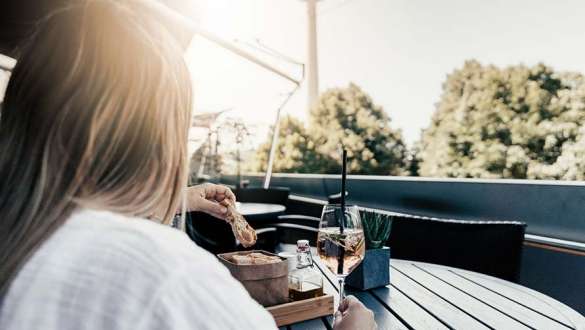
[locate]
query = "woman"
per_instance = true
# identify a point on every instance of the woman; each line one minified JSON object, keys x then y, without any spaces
{"x":93,"y":137}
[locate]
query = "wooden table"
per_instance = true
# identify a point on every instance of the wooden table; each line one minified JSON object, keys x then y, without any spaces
{"x":427,"y":296}
{"x":260,"y":211}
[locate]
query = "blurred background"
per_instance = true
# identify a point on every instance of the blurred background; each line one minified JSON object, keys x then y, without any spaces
{"x":450,"y":88}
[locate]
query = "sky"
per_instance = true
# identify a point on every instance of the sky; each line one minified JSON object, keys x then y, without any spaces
{"x":398,"y":51}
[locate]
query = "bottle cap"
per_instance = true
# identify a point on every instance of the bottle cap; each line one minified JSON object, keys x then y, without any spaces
{"x":303,"y":245}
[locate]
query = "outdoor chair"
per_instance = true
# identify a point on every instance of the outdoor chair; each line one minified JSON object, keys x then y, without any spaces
{"x":298,"y":219}
{"x":288,"y":233}
{"x":216,"y":236}
{"x":212,"y":234}
{"x":489,"y":247}
{"x":296,"y":206}
{"x":267,"y":240}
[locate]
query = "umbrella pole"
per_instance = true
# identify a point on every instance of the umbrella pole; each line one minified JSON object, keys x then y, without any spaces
{"x":275,"y":135}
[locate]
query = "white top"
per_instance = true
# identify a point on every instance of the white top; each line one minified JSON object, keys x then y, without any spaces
{"x":105,"y":271}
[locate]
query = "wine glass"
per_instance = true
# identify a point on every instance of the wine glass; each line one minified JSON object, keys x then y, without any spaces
{"x":341,"y":243}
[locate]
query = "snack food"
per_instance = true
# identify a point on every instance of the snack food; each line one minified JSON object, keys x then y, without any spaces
{"x":254,"y":258}
{"x":240,"y":227}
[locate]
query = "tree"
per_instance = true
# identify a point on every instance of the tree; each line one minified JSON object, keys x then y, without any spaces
{"x":295,"y":151}
{"x":348,"y":117}
{"x":516,"y":122}
{"x":342,"y":116}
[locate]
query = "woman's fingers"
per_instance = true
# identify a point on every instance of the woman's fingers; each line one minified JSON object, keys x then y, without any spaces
{"x":347,"y":303}
{"x":207,"y":198}
{"x":230,"y":194}
{"x":213,"y":208}
{"x":218,"y":192}
{"x":223,"y":192}
{"x":352,"y":314}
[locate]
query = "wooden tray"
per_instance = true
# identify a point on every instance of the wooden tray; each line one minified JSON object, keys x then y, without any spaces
{"x":302,"y":310}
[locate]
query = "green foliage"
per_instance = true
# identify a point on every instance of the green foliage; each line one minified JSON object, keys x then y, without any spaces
{"x":343,"y":116}
{"x":295,"y":151}
{"x":348,"y":117}
{"x":517,"y":122}
{"x":377,"y":227}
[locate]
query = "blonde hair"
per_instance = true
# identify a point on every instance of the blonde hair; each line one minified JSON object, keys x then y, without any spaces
{"x":96,"y":115}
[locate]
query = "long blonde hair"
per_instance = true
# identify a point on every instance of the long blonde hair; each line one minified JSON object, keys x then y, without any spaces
{"x":96,"y":115}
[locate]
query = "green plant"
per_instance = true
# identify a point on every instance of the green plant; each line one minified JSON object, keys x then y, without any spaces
{"x":377,"y":228}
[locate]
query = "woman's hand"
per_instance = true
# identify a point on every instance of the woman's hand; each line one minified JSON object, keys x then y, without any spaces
{"x":352,"y":314}
{"x":206,"y":198}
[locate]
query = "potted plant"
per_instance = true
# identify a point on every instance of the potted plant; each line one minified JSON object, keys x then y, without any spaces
{"x":374,"y":271}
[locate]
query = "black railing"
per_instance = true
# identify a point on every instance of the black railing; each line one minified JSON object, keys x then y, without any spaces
{"x":552,"y":209}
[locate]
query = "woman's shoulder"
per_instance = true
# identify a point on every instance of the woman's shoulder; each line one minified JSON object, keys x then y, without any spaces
{"x":194,"y":288}
{"x":129,"y":237}
{"x":153,"y":276}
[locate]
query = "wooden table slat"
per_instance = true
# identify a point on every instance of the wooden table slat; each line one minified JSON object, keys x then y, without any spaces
{"x":384,"y":318}
{"x":527,"y":297}
{"x":428,"y":296}
{"x":440,"y":309}
{"x":411,"y":313}
{"x":329,"y":282}
{"x":328,"y":320}
{"x":520,"y":312}
{"x":380,"y":311}
{"x":314,"y":324}
{"x":472,"y":306}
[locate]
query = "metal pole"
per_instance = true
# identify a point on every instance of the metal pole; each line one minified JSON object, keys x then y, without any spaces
{"x":312,"y":59}
{"x":225,"y":44}
{"x":184,"y":28}
{"x":273,"y":144}
{"x":275,"y":139}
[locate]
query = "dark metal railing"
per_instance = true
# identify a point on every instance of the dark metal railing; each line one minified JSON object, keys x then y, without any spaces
{"x":553,"y":210}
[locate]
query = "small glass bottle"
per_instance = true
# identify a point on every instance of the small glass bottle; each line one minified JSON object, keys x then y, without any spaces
{"x":305,"y":281}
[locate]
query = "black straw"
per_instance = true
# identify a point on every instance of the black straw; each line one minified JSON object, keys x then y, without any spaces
{"x":343,"y":179}
{"x":341,"y":253}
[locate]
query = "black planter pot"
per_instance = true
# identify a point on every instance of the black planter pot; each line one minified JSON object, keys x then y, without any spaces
{"x":373,"y":272}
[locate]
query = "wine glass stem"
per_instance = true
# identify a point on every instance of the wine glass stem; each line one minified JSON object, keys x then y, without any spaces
{"x":341,"y":289}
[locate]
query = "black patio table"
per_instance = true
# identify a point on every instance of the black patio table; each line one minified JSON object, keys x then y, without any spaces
{"x":260,"y":211}
{"x":428,"y":296}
